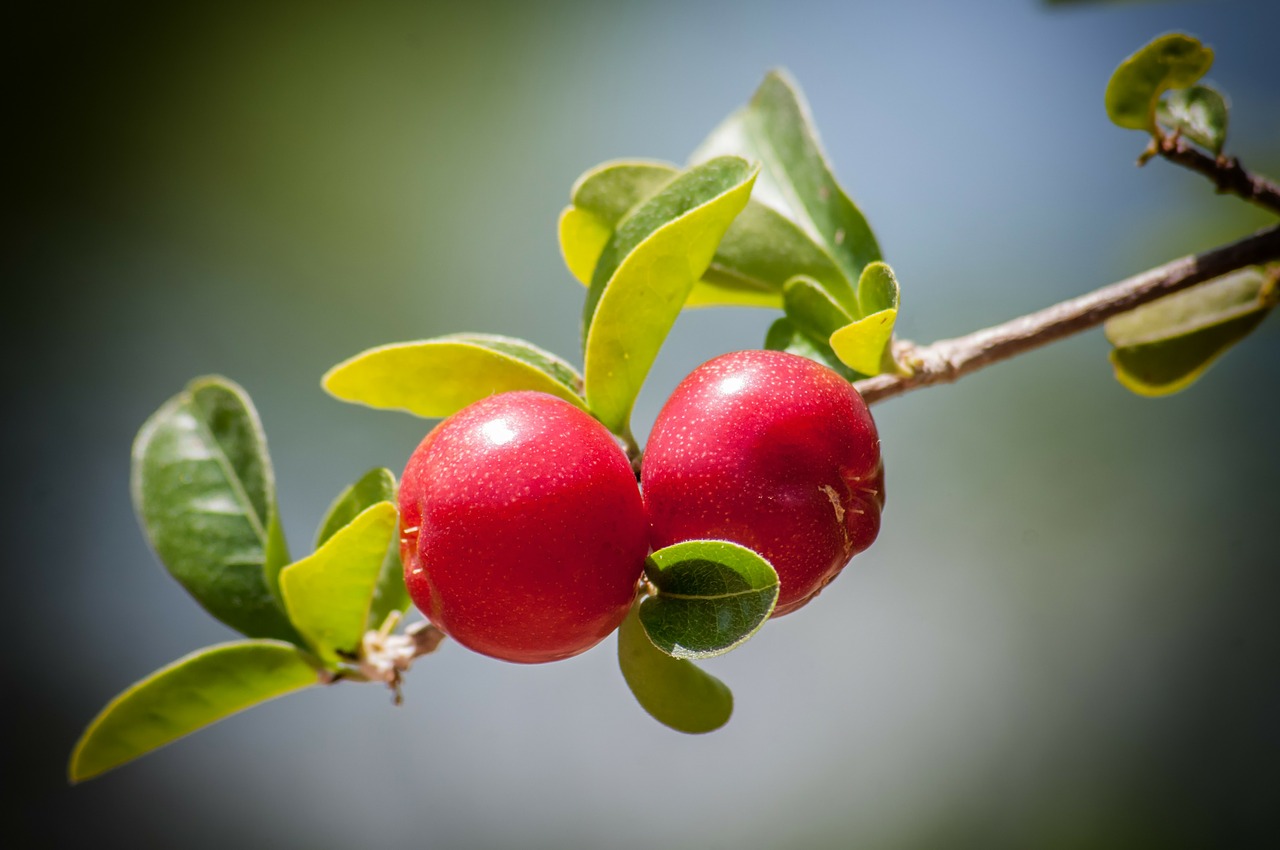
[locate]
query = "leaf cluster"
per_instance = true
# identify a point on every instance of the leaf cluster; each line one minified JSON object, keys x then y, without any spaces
{"x":1163,"y":347}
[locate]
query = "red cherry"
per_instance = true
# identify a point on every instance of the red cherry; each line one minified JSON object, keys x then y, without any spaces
{"x":771,"y":451}
{"x":524,"y":533}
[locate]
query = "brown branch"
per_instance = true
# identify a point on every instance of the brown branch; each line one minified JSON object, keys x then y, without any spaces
{"x":1225,"y":172}
{"x":949,"y":359}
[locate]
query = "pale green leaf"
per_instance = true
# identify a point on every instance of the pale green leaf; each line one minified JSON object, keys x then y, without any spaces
{"x":645,"y":275}
{"x":376,"y":485}
{"x":775,"y":129}
{"x":192,"y":692}
{"x":329,"y":594}
{"x":437,"y":377}
{"x":711,"y":596}
{"x":1164,"y":346}
{"x":673,"y":691}
{"x":1199,"y":113}
{"x":204,"y":491}
{"x":1170,"y":61}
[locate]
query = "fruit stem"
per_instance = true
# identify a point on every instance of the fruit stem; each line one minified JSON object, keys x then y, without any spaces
{"x":632,"y":448}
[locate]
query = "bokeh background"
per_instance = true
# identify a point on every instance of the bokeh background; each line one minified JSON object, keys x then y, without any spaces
{"x":1066,"y":636}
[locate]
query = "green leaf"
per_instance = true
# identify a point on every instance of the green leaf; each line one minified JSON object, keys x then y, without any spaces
{"x":600,"y":199}
{"x":759,"y":252}
{"x":1199,"y":113}
{"x":1171,"y":61}
{"x":437,"y":377}
{"x":203,"y":488}
{"x":192,"y":692}
{"x":866,"y":345}
{"x":795,"y":179}
{"x":1164,"y":346}
{"x":377,"y":485}
{"x":674,"y":691}
{"x":329,"y":594}
{"x":877,"y":289}
{"x":645,"y":275}
{"x":712,"y":596}
{"x":783,"y":335}
{"x":811,"y":308}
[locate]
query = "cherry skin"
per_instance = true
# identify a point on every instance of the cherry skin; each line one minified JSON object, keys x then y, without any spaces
{"x":523,"y":530}
{"x":771,"y":451}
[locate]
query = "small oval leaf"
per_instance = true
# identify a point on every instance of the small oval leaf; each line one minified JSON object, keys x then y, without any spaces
{"x":204,"y":491}
{"x":865,"y":344}
{"x":329,"y":593}
{"x":712,"y":596}
{"x":1198,"y":113}
{"x":1164,"y":346}
{"x":1171,"y":61}
{"x":673,"y":691}
{"x":878,"y":289}
{"x":192,"y":692}
{"x":796,"y":180}
{"x":783,"y":335}
{"x":812,"y":309}
{"x":437,"y":377}
{"x":645,"y":275}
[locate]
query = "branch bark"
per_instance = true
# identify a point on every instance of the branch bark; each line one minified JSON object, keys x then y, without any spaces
{"x":1225,"y":172}
{"x":950,"y":359}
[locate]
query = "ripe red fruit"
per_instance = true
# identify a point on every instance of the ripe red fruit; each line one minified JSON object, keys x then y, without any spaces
{"x":771,"y":451}
{"x":523,"y":530}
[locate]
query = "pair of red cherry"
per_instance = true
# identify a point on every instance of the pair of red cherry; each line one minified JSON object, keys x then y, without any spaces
{"x":525,"y":535}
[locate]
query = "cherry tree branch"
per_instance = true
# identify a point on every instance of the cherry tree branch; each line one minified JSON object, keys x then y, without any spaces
{"x":1225,"y":172}
{"x":949,"y":359}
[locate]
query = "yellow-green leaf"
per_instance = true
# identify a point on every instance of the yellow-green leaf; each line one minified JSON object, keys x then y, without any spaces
{"x":583,"y":236}
{"x":645,"y":275}
{"x":1164,"y":346}
{"x":673,"y":690}
{"x":1170,"y":61}
{"x":376,"y":485}
{"x":437,"y":377}
{"x":192,"y":692}
{"x":864,"y":344}
{"x":328,"y":594}
{"x":759,"y":252}
{"x":600,"y":199}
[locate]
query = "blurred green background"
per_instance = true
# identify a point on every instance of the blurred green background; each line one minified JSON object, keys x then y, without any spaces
{"x":1066,"y":636}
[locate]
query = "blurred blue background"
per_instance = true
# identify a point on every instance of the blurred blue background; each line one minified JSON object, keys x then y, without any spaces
{"x":1066,"y":636}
